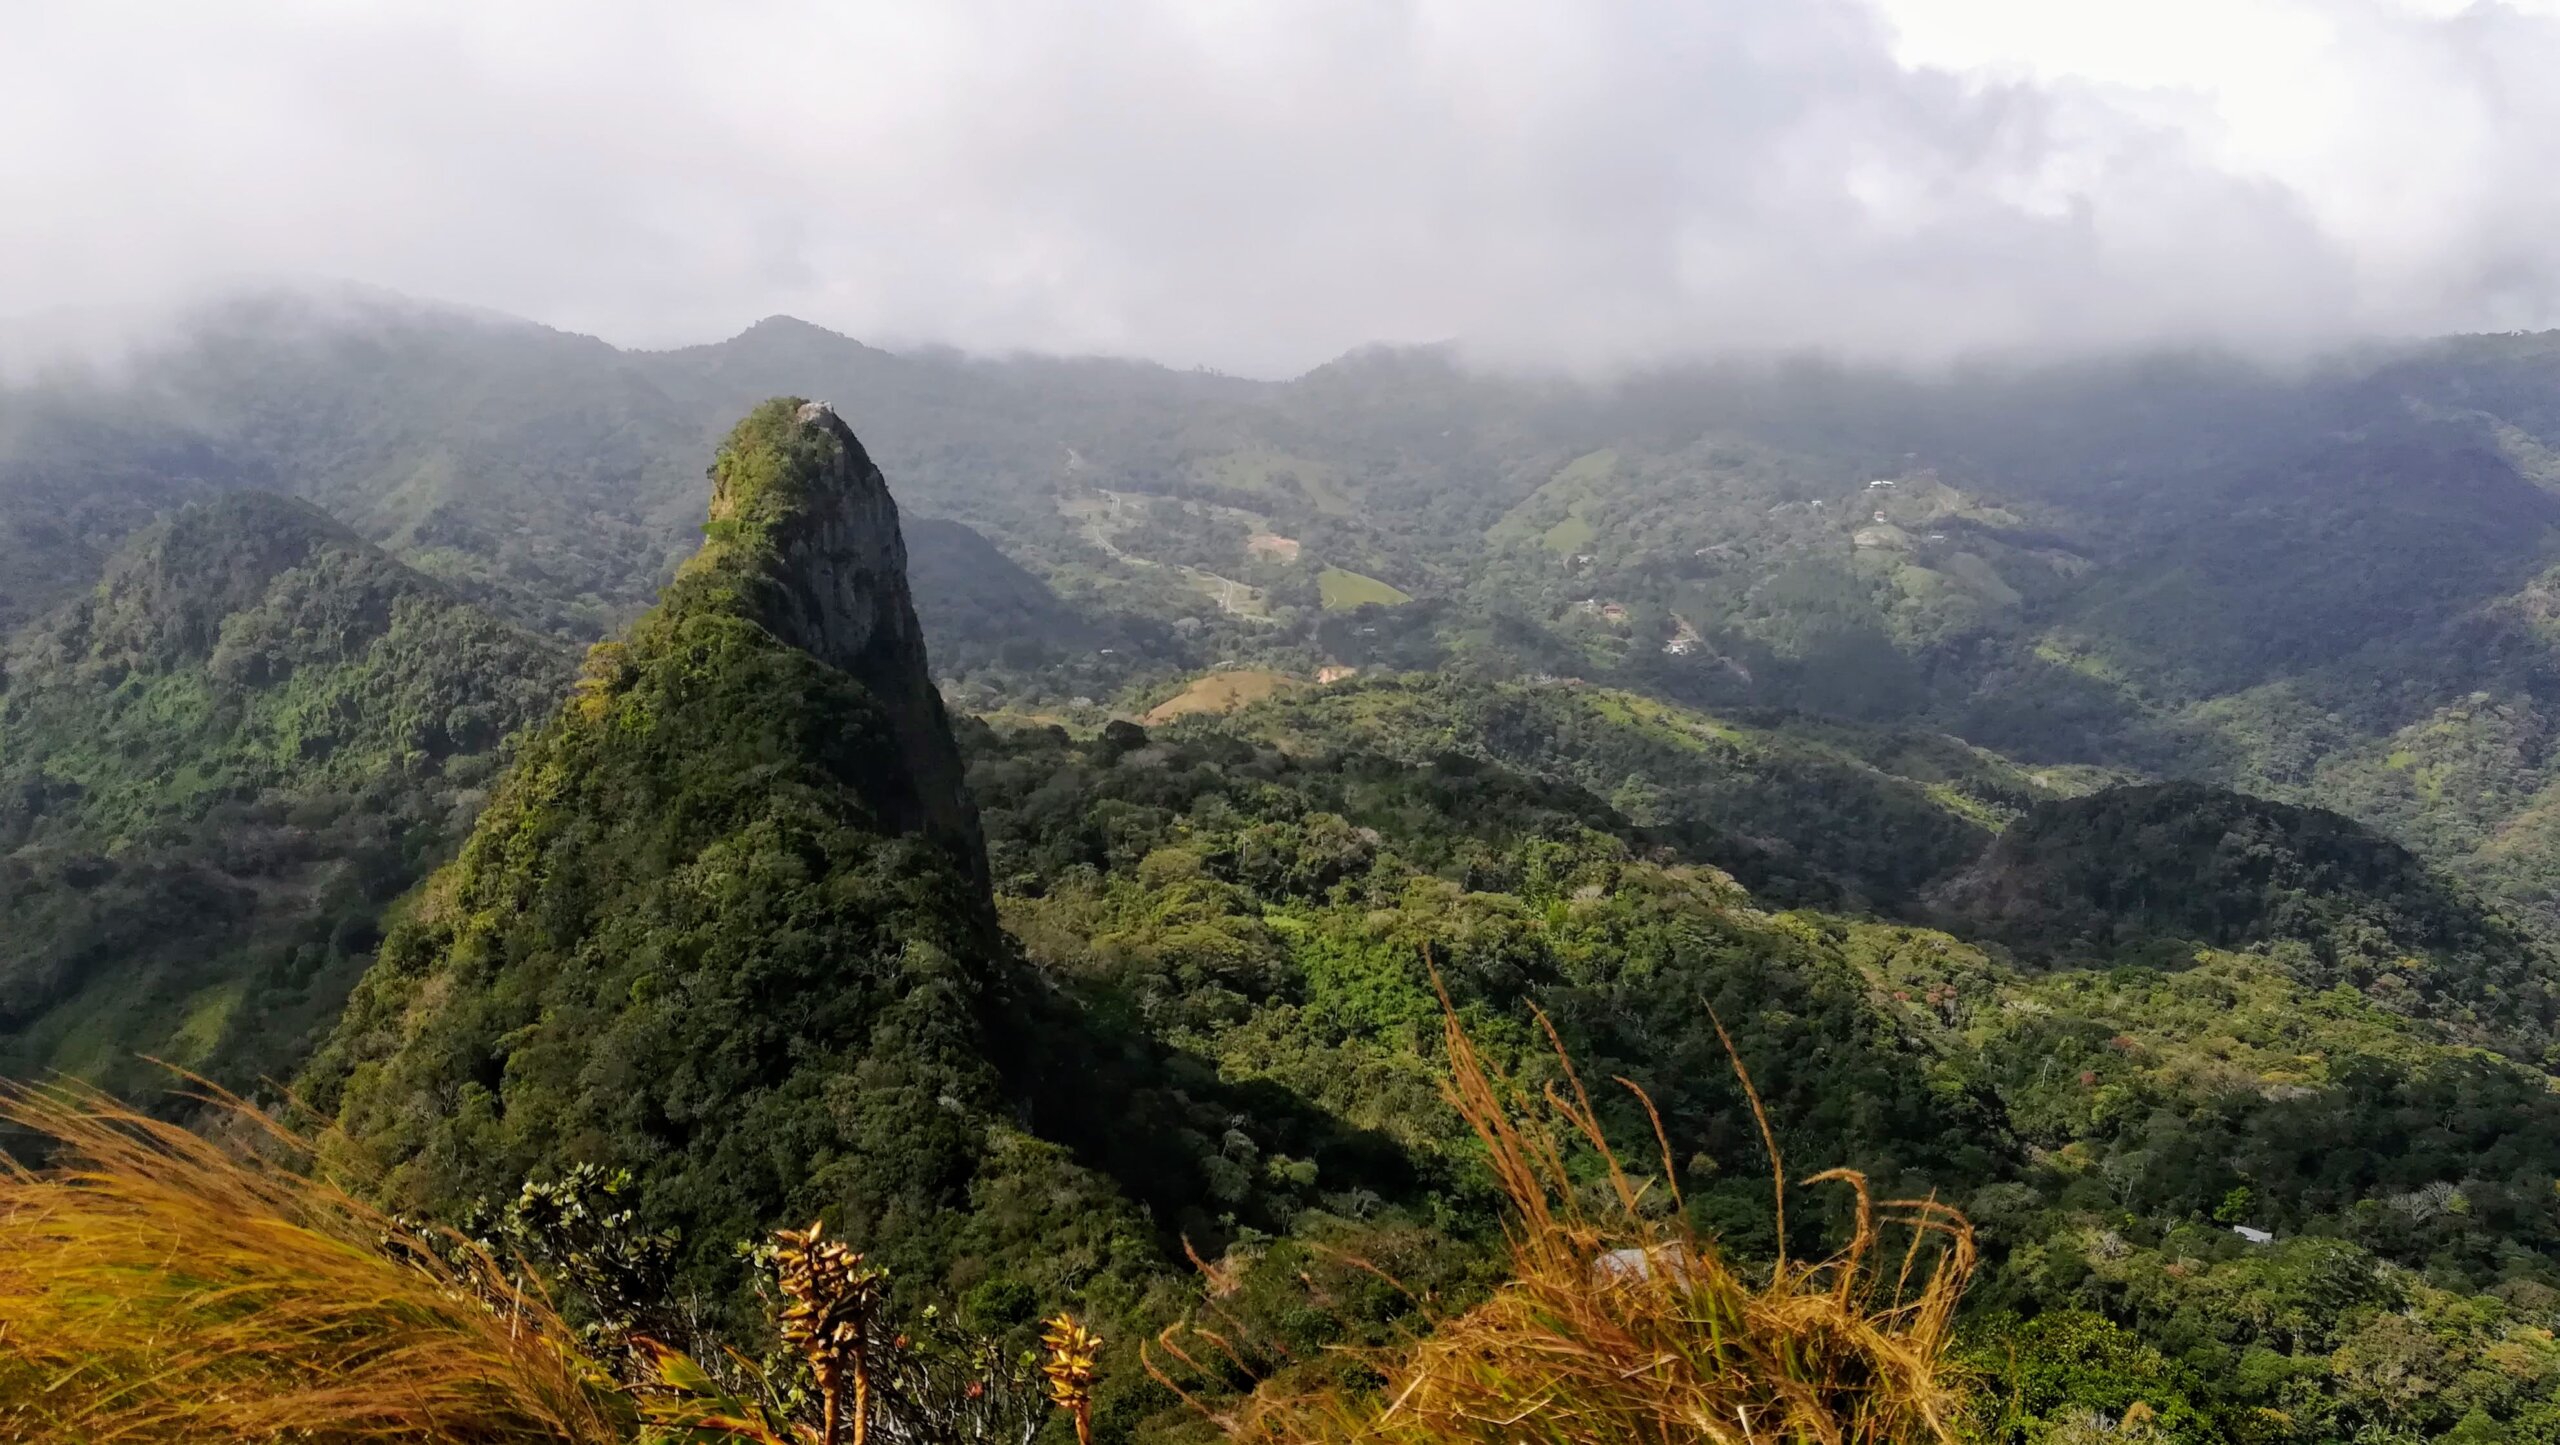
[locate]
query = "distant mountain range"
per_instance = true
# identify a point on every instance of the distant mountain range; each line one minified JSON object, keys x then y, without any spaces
{"x":2328,"y":587}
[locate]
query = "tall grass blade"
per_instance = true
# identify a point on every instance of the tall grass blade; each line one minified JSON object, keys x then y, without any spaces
{"x":160,"y":1287}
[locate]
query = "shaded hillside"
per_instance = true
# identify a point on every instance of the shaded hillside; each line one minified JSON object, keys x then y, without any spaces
{"x":215,"y":772}
{"x":2285,"y":570}
{"x":980,"y":606}
{"x":1001,"y":634}
{"x":2084,"y":877}
{"x":77,"y":480}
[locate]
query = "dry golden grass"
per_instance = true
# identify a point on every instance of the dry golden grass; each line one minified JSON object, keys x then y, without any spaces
{"x":1846,"y":1351}
{"x":156,"y":1286}
{"x":1221,"y":692}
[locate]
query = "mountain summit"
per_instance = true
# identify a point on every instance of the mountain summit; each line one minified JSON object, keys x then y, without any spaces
{"x":726,"y":922}
{"x":803,"y":524}
{"x":825,"y":570}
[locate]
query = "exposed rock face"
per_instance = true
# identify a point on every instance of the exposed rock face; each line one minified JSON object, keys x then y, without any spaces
{"x":840,"y":574}
{"x":834,"y":585}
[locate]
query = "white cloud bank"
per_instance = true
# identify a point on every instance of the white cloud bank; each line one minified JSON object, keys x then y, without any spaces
{"x":1259,"y":184}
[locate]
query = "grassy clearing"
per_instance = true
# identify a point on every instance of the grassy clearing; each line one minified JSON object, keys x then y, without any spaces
{"x":1343,"y":590}
{"x":1221,"y":692}
{"x":1571,"y":535}
{"x":1571,"y":489}
{"x":1279,"y":474}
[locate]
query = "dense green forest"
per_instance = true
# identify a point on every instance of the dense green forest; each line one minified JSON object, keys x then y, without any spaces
{"x":218,"y":769}
{"x":2109,"y":799}
{"x":2105,"y":1125}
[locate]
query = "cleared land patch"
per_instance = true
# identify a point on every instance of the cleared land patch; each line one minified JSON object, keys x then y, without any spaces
{"x":1221,"y":692}
{"x":1342,"y":590}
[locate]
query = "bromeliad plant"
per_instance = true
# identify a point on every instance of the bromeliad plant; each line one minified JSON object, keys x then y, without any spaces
{"x":830,"y":1311}
{"x":1074,"y":1357}
{"x":931,"y":1386}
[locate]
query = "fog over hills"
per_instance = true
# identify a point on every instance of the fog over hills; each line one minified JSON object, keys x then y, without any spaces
{"x":1258,"y":187}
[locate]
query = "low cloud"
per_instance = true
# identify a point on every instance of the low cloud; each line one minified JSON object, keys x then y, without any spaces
{"x":1261,"y":184}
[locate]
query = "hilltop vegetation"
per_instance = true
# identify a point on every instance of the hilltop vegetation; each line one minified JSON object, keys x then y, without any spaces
{"x":2105,"y":1127}
{"x":1798,"y":811}
{"x":218,"y":769}
{"x":724,"y":924}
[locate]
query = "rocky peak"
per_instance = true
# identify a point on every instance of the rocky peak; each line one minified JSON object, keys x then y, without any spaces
{"x":806,"y":519}
{"x":693,"y":932}
{"x":838,"y":564}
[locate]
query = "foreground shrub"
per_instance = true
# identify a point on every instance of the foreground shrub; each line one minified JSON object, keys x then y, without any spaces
{"x":1621,"y":1324}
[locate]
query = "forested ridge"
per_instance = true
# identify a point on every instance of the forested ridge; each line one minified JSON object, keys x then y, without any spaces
{"x":219,"y":769}
{"x":2124,"y":833}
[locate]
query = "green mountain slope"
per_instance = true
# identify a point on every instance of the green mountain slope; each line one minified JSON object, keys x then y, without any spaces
{"x":2105,"y":1121}
{"x":726,"y":920}
{"x":1798,"y":809}
{"x":218,"y":768}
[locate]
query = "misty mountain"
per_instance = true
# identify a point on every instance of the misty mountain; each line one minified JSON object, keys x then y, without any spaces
{"x":2325,"y":586}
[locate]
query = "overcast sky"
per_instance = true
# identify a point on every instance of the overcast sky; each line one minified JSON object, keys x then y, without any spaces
{"x":1260,"y":184}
